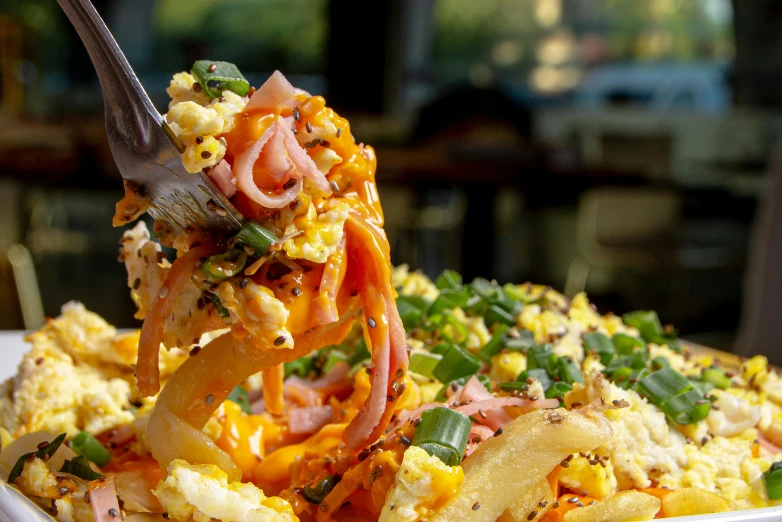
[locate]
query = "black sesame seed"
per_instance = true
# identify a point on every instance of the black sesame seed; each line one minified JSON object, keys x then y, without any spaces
{"x":333,"y":186}
{"x":339,"y":132}
{"x":498,"y":432}
{"x":113,"y":513}
{"x":296,"y":291}
{"x":280,"y":340}
{"x":308,"y":127}
{"x":212,"y":67}
{"x":400,"y":373}
{"x":532,"y":515}
{"x":580,"y":504}
{"x":64,"y":491}
{"x":476,"y":506}
{"x":211,"y":206}
{"x":323,"y":507}
{"x":194,"y":351}
{"x":206,"y":154}
{"x":296,"y":114}
{"x":371,"y":322}
{"x":197,"y":87}
{"x":199,"y":139}
{"x":288,"y":184}
{"x":390,"y":398}
{"x":417,"y":422}
{"x":404,"y":441}
{"x":573,"y":500}
{"x":210,"y":399}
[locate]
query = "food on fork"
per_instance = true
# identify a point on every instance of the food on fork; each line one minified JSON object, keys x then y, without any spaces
{"x":304,"y":379}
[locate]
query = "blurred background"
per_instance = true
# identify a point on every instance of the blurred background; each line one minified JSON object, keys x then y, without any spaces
{"x":622,"y":147}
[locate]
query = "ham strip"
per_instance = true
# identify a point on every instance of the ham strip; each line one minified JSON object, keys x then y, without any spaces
{"x":310,"y":419}
{"x":103,"y":499}
{"x":302,"y":160}
{"x":243,"y":168}
{"x":224,"y":178}
{"x":273,"y":94}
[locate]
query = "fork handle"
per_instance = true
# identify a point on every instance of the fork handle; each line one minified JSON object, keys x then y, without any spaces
{"x":125,"y":100}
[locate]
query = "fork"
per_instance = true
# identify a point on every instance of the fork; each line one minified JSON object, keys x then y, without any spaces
{"x":144,"y":147}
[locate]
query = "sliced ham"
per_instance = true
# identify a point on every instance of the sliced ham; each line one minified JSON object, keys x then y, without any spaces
{"x":103,"y":499}
{"x":478,"y":434}
{"x":310,"y":419}
{"x":224,"y":178}
{"x":493,"y":415}
{"x":243,"y":168}
{"x":274,"y":157}
{"x":308,"y":393}
{"x":273,"y":94}
{"x":302,"y":160}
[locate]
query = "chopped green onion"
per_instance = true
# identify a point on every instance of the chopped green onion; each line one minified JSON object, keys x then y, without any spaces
{"x":568,"y":371}
{"x":259,"y":238}
{"x":239,"y":396}
{"x":522,"y":343}
{"x":448,"y":279}
{"x":627,"y":344}
{"x":773,"y":481}
{"x":220,"y":267}
{"x":42,"y":453}
{"x":539,"y":374}
{"x":333,"y":358}
{"x":216,"y":77}
{"x":601,"y":344}
{"x":513,"y":292}
{"x":80,"y":467}
{"x":558,"y":390}
{"x":485,"y":289}
{"x":495,"y":314}
{"x":514,"y":386}
{"x":538,"y":356}
{"x":660,"y":362}
{"x":452,"y":330}
{"x":495,"y":344}
{"x":716,"y":377}
{"x":647,"y":322}
{"x":315,"y":495}
{"x":88,"y":446}
{"x":702,"y":386}
{"x":664,"y":383}
{"x":621,"y":374}
{"x":441,"y":348}
{"x":222,"y":311}
{"x":301,"y":367}
{"x":443,"y":433}
{"x":449,"y":299}
{"x":456,"y":363}
{"x":424,"y":363}
{"x":409,"y":312}
{"x":687,"y":408}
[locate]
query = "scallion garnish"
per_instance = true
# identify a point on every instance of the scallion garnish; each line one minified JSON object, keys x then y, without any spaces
{"x":456,"y":363}
{"x":216,"y":77}
{"x":495,"y":344}
{"x":239,"y":396}
{"x":443,"y":433}
{"x":448,"y":299}
{"x":650,"y":328}
{"x":539,"y":355}
{"x":42,"y":453}
{"x":522,"y":343}
{"x":259,"y":238}
{"x":80,"y":467}
{"x":602,"y":345}
{"x":222,"y":311}
{"x":716,"y":377}
{"x":316,"y":494}
{"x":88,"y":446}
{"x":448,"y":279}
{"x":773,"y":481}
{"x":483,"y":379}
{"x":452,"y":330}
{"x":675,"y":395}
{"x":220,"y":267}
{"x":424,"y":363}
{"x":333,"y":358}
{"x":409,"y":312}
{"x":659,"y":362}
{"x":627,"y":344}
{"x":301,"y":367}
{"x":539,"y":374}
{"x":568,"y":371}
{"x":558,"y":390}
{"x":495,"y":314}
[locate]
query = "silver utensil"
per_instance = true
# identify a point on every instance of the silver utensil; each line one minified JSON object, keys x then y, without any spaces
{"x":145,"y":149}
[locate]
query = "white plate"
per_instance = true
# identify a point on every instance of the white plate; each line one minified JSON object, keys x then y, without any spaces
{"x":15,"y":507}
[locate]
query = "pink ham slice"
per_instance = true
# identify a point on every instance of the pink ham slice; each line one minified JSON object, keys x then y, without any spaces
{"x":495,"y":417}
{"x":302,"y":160}
{"x":273,"y":94}
{"x":478,"y":434}
{"x":243,"y":168}
{"x":224,"y":178}
{"x":103,"y":499}
{"x":309,"y":419}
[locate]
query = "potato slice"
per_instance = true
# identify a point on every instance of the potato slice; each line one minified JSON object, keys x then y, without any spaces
{"x":539,"y":500}
{"x":694,"y":501}
{"x":506,"y":468}
{"x":620,"y":507}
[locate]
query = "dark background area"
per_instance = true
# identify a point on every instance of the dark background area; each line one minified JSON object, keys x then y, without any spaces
{"x":622,"y":147}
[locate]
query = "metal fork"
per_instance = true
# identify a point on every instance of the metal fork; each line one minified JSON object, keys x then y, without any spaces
{"x":145,"y":149}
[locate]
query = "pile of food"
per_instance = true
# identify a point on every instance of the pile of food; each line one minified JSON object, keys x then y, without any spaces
{"x":304,"y":379}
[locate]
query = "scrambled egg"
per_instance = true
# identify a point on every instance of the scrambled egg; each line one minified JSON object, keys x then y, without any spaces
{"x":585,"y":473}
{"x":146,"y":266}
{"x":643,"y":445}
{"x":422,"y":484}
{"x":197,"y":121}
{"x":506,"y":366}
{"x":58,"y":389}
{"x":202,"y":493}
{"x":259,"y":311}
{"x":477,"y":333}
{"x":321,"y":234}
{"x":414,"y":284}
{"x":38,"y":480}
{"x":725,"y":466}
